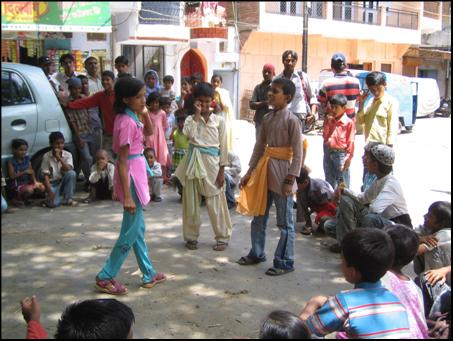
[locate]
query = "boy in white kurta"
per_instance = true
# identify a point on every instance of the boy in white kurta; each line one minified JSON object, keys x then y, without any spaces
{"x":201,"y":171}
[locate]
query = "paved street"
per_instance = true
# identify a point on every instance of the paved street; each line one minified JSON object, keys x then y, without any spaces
{"x":56,"y":253}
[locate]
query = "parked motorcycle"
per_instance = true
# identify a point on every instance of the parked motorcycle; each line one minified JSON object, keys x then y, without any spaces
{"x":444,"y":109}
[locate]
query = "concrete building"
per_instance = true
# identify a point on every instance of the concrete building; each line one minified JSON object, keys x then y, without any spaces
{"x":372,"y":35}
{"x":176,"y":38}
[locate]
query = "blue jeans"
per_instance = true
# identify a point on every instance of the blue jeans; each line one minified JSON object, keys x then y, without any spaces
{"x":284,"y":254}
{"x":65,"y":187}
{"x":333,"y":165}
{"x":229,"y":191}
{"x":4,"y":204}
{"x":87,"y":153}
{"x":132,"y":234}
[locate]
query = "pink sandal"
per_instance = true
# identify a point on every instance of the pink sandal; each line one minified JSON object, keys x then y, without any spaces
{"x":160,"y":277}
{"x":110,"y":286}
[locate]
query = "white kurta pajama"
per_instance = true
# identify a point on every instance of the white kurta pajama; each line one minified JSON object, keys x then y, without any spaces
{"x":198,"y":172}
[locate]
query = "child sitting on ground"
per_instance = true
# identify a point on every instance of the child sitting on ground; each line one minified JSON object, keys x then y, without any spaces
{"x":405,"y":241}
{"x":313,"y":195}
{"x":58,"y":171}
{"x":101,"y":178}
{"x":281,"y":324}
{"x":368,"y":310}
{"x":155,"y":181}
{"x":434,"y":254}
{"x":22,"y":180}
{"x":90,"y":319}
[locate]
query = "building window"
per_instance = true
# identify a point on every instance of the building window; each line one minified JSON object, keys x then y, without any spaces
{"x":96,"y":36}
{"x":153,"y":58}
{"x":130,"y":53}
{"x":386,"y":68}
{"x":291,"y":7}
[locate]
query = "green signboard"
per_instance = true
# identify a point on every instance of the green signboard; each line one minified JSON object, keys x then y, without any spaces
{"x":61,"y":16}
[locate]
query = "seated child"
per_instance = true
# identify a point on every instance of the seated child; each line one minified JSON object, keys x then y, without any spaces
{"x":89,"y":319}
{"x":369,"y":310}
{"x":155,"y":181}
{"x":313,"y":195}
{"x":101,"y":178}
{"x":58,"y":171}
{"x":434,"y":253}
{"x":22,"y":180}
{"x":281,"y":324}
{"x":405,"y":241}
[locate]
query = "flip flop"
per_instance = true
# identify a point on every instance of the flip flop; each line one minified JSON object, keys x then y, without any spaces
{"x":278,"y":272}
{"x":220,"y":246}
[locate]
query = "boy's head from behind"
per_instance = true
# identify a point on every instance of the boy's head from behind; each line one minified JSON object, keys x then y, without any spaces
{"x":337,"y":104}
{"x":281,"y":93}
{"x":281,"y":324}
{"x":367,"y":254}
{"x":303,"y":180}
{"x":405,"y":241}
{"x":438,"y":216}
{"x":96,"y":319}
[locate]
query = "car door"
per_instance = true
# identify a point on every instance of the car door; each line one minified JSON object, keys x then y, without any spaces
{"x":19,"y":111}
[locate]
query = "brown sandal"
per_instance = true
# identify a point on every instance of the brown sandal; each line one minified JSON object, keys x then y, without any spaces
{"x":220,"y":246}
{"x":192,"y":244}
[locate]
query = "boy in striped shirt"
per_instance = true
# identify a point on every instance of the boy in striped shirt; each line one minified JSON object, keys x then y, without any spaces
{"x":369,"y":310}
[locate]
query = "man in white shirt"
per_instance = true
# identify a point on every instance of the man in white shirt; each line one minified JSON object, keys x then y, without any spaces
{"x":94,"y":80}
{"x":381,"y":204}
{"x":67,"y":61}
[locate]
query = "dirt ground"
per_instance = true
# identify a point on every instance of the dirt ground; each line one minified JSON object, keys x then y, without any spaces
{"x":56,"y":254}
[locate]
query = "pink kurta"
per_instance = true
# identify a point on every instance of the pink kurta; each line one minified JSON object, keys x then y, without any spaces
{"x":157,"y":139}
{"x":126,"y":132}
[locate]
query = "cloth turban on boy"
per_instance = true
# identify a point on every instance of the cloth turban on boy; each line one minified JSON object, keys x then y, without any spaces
{"x":269,"y":67}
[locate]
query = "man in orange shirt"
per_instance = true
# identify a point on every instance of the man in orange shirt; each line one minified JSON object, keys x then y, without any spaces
{"x":339,"y":134}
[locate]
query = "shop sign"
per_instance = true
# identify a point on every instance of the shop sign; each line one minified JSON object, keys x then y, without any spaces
{"x":61,"y":16}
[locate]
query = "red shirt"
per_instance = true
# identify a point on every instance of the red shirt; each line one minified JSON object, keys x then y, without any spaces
{"x":104,"y":102}
{"x":340,"y":134}
{"x":35,"y":330}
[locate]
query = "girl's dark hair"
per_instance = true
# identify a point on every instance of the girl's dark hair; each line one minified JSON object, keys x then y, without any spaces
{"x":16,"y":143}
{"x":164,"y":101}
{"x":281,"y":324}
{"x":215,"y":75}
{"x":370,"y":251}
{"x":168,"y":78}
{"x":95,"y":319}
{"x":375,"y":78}
{"x":384,"y":169}
{"x":196,"y":77}
{"x":108,"y":73}
{"x":181,"y":113}
{"x":203,"y":89}
{"x":288,"y":87}
{"x":153,"y":97}
{"x":185,"y":79}
{"x":338,"y":99}
{"x":442,"y":211}
{"x":125,"y":87}
{"x":303,"y":175}
{"x":406,"y":244}
{"x":55,"y":135}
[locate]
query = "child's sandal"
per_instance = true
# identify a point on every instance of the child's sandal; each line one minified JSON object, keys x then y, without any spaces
{"x":110,"y":286}
{"x":159,"y":278}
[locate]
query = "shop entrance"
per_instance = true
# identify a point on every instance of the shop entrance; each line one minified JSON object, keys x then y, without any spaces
{"x":194,"y":62}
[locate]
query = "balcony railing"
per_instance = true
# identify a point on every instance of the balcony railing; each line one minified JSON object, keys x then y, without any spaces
{"x":316,"y":9}
{"x":356,"y":14}
{"x":160,"y":13}
{"x":401,"y":19}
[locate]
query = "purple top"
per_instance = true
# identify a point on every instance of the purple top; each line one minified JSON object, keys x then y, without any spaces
{"x":411,"y":297}
{"x":127,"y":132}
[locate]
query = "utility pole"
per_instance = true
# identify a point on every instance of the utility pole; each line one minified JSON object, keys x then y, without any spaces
{"x":305,"y":36}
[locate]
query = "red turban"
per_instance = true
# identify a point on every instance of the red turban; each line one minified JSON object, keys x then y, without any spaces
{"x":269,"y":67}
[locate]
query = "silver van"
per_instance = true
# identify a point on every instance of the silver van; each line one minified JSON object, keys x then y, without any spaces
{"x":30,"y":111}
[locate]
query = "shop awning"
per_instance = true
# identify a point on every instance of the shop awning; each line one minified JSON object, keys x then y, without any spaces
{"x":61,"y":16}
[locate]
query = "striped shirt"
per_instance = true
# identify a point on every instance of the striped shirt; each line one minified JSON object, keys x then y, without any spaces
{"x":369,"y":311}
{"x":342,"y":84}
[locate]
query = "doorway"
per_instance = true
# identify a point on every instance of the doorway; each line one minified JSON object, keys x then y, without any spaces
{"x":194,"y":62}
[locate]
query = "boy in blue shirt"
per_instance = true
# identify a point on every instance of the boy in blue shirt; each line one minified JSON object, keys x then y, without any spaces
{"x":369,"y":310}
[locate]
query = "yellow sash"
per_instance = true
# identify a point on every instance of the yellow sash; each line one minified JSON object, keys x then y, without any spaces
{"x":253,"y":197}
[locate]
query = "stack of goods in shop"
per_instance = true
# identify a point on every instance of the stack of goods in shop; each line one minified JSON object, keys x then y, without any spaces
{"x":9,"y":51}
{"x":80,"y":57}
{"x":34,"y":47}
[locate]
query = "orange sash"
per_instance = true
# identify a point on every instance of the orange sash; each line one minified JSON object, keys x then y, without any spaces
{"x":253,"y":196}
